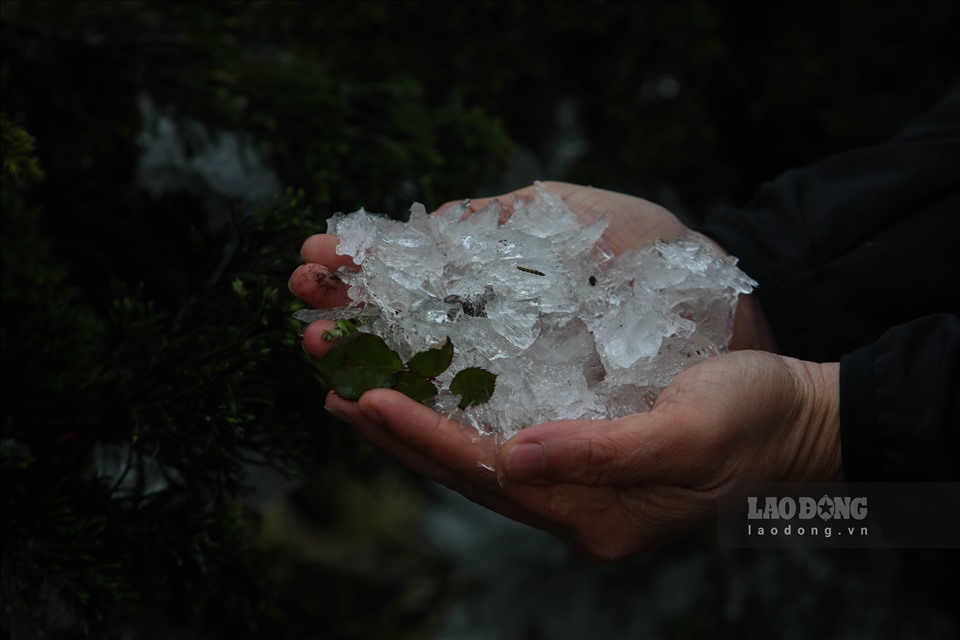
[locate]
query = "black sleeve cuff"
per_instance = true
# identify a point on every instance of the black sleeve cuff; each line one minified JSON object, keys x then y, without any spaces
{"x":900,"y":404}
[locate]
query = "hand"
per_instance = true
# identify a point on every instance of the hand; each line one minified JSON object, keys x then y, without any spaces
{"x":612,"y":487}
{"x":632,"y":223}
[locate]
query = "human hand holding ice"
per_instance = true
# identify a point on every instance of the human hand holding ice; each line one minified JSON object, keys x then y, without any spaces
{"x":610,"y":487}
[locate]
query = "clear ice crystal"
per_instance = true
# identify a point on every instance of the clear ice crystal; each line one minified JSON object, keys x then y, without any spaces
{"x":570,"y":331}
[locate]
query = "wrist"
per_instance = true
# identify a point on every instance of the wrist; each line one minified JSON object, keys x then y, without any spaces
{"x":818,"y":425}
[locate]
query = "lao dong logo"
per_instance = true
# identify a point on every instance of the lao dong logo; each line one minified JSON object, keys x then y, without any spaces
{"x":805,"y":508}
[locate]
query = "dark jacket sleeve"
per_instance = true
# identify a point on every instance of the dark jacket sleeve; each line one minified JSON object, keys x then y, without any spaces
{"x":900,"y":404}
{"x":858,"y":260}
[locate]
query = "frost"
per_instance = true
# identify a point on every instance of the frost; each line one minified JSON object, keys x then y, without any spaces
{"x":569,"y":330}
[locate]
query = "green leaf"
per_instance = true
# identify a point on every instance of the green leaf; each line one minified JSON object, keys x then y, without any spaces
{"x":431,"y":362}
{"x":357,"y":363}
{"x":340,"y":329}
{"x":239,"y":288}
{"x":413,"y":386}
{"x":474,"y":386}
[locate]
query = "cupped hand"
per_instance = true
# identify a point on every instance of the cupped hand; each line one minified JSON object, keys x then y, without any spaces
{"x":632,"y":222}
{"x":612,"y":488}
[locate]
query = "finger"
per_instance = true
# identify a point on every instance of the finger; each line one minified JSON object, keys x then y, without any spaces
{"x":639,"y":449}
{"x":313,"y":341}
{"x":580,"y":199}
{"x":447,"y":452}
{"x":322,"y":249}
{"x":372,"y":430}
{"x":471,"y":207}
{"x":318,"y":286}
{"x":459,"y":448}
{"x":507,"y":203}
{"x":637,"y":220}
{"x":456,"y":447}
{"x":455,"y":203}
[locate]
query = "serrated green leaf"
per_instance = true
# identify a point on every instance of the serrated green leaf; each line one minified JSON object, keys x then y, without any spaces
{"x":474,"y":386}
{"x":340,"y":329}
{"x":357,"y":363}
{"x":431,"y":362}
{"x":413,"y":386}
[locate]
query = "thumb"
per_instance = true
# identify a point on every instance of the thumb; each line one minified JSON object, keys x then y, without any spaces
{"x":641,"y":448}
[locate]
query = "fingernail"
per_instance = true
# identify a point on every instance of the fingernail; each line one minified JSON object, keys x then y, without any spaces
{"x":526,"y":462}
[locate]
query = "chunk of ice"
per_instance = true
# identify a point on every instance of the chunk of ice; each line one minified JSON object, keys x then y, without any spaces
{"x":570,"y":331}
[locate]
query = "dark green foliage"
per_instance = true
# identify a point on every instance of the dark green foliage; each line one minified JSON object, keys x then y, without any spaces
{"x":357,"y":363}
{"x":150,"y":361}
{"x":413,"y":385}
{"x":128,"y":430}
{"x":430,"y":363}
{"x":17,"y":148}
{"x":341,"y":328}
{"x":474,"y":386}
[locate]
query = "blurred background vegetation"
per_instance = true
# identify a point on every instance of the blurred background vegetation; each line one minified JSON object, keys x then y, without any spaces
{"x":167,"y":467}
